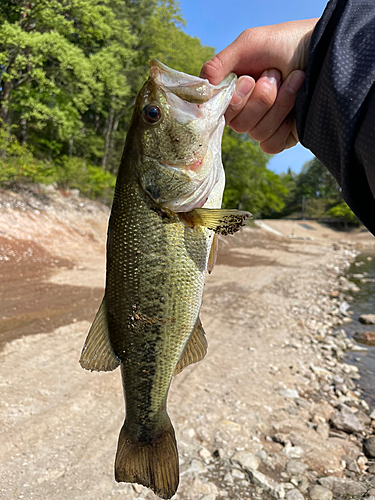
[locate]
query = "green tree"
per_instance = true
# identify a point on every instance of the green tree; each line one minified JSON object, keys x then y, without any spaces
{"x":249,"y":184}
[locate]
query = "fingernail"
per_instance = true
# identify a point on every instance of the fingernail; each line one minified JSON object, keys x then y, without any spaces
{"x":272,"y":76}
{"x":244,"y":86}
{"x":296,"y":80}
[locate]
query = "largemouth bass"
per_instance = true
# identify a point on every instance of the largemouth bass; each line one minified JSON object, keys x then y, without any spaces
{"x":165,"y":214}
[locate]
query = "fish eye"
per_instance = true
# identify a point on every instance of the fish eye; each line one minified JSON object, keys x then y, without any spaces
{"x":151,"y":114}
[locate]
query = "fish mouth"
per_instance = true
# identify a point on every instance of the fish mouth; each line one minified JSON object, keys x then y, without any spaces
{"x":188,"y":87}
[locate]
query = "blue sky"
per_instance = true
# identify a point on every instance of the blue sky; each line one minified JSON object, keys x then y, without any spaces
{"x":218,"y":22}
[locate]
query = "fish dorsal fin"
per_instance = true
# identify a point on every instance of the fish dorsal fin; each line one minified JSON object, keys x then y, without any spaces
{"x":97,"y":354}
{"x":213,"y":254}
{"x":221,"y":221}
{"x":195,"y":349}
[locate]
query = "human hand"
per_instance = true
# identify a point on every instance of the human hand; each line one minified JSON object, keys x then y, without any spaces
{"x":270,"y":62}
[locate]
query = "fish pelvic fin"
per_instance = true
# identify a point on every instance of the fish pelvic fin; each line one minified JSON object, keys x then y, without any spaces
{"x":153,"y":463}
{"x":213,"y":253}
{"x":221,"y":221}
{"x":195,"y":349}
{"x":97,"y":354}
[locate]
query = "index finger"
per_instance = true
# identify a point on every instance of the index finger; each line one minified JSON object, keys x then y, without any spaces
{"x":245,"y":56}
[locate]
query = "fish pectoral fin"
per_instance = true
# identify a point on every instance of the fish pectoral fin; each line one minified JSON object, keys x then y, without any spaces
{"x":195,"y":349}
{"x":97,"y":354}
{"x":213,"y":253}
{"x":221,"y":221}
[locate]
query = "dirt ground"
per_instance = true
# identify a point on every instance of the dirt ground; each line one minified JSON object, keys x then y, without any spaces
{"x":261,"y":309}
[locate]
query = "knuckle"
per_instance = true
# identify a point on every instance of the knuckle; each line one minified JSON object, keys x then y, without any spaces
{"x":260,"y":135}
{"x":271,"y":148}
{"x":211,"y":68}
{"x":238,"y":126}
{"x":266,"y":97}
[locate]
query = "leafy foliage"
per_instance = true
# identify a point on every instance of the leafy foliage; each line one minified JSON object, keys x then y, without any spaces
{"x":69,"y":71}
{"x":315,"y":194}
{"x":249,"y":184}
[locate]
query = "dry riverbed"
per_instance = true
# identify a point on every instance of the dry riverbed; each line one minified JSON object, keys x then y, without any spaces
{"x":272,"y":412}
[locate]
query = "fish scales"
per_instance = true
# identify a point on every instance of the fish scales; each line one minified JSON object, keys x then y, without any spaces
{"x":154,"y":288}
{"x":161,"y":241}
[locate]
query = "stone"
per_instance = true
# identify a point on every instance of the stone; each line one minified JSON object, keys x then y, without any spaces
{"x":369,"y":446}
{"x":211,"y":496}
{"x":343,"y":486}
{"x":367,"y":319}
{"x":196,"y":467}
{"x":205,"y":454}
{"x":238,"y":474}
{"x":294,"y":495}
{"x":289,"y":393}
{"x":352,"y":465}
{"x":296,"y":467}
{"x":228,"y":478}
{"x":346,"y":421}
{"x":317,"y":492}
{"x":293,"y":451}
{"x":367,"y":338}
{"x":323,"y":430}
{"x":276,"y":490}
{"x":363,"y":417}
{"x":247,"y":460}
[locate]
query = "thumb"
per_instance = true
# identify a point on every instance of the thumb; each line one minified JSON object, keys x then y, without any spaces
{"x":243,"y":57}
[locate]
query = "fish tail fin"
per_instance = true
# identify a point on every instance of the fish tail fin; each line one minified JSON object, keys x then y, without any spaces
{"x":153,"y":463}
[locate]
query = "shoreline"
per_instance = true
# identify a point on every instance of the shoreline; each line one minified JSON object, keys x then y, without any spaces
{"x":271,"y":412}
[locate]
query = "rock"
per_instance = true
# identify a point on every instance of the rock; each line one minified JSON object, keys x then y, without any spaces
{"x":367,"y":338}
{"x":367,"y":319}
{"x":363,"y":417}
{"x":196,"y":467}
{"x":205,"y":454}
{"x":293,"y":451}
{"x":320,"y":493}
{"x":247,"y":460}
{"x":323,"y":430}
{"x":211,"y":496}
{"x":352,"y":465}
{"x":289,"y":393}
{"x":237,"y":474}
{"x":275,"y":489}
{"x":343,"y":486}
{"x":346,"y":421}
{"x":294,"y":495}
{"x":359,"y":348}
{"x":369,"y":445}
{"x":296,"y":467}
{"x":372,"y":415}
{"x":137,"y":488}
{"x":228,"y":478}
{"x":344,"y":307}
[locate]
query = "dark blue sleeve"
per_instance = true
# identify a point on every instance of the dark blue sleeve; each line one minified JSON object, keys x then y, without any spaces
{"x":335,"y":109}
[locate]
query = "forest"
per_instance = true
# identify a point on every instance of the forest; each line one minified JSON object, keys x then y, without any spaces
{"x":69,"y":74}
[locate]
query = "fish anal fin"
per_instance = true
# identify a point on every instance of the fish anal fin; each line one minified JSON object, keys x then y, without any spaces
{"x":213,"y":253}
{"x":152,"y":463}
{"x":195,"y":349}
{"x":221,"y":221}
{"x":97,"y":353}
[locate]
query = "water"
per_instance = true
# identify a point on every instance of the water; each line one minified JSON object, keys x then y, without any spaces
{"x":363,"y":303}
